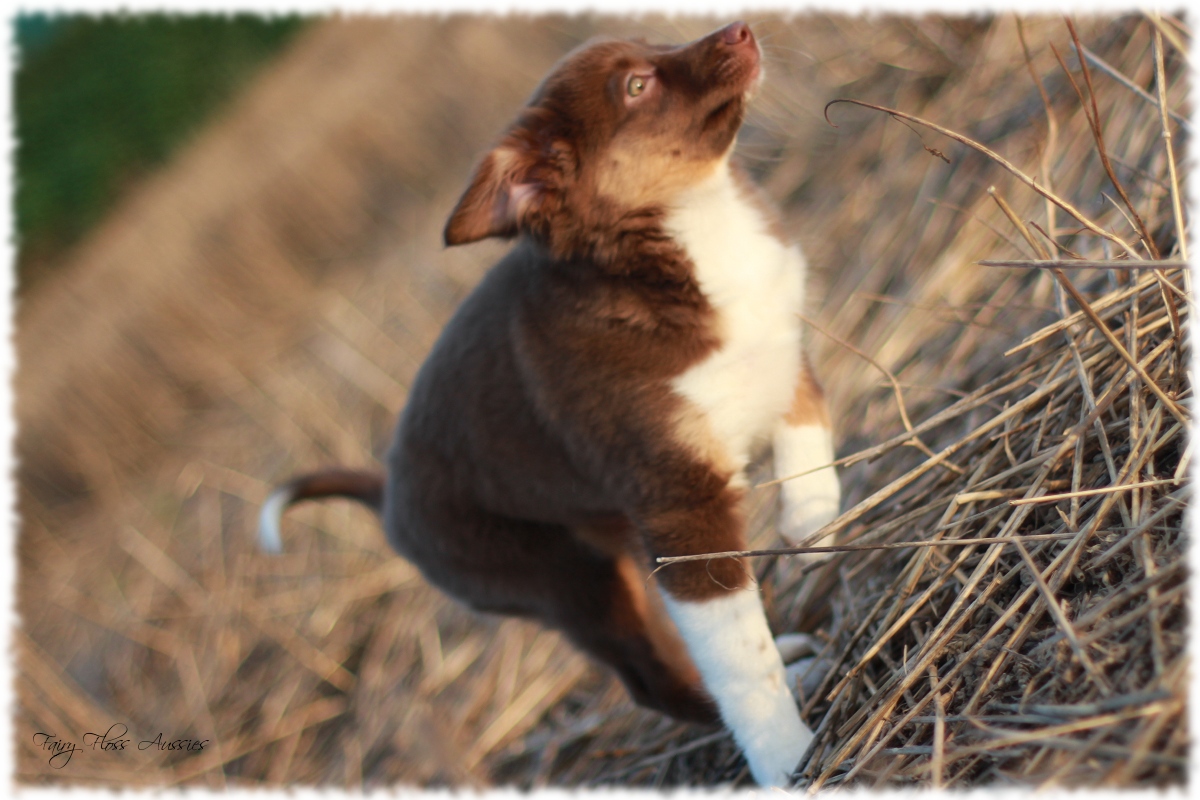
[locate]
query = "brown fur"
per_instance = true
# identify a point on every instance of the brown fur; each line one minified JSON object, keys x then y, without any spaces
{"x":808,"y":404}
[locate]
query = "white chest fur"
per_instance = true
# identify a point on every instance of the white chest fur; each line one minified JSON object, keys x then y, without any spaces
{"x":756,"y":284}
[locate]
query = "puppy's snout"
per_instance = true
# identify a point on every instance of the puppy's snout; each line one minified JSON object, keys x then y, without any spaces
{"x":737,"y":42}
{"x":737,"y":34}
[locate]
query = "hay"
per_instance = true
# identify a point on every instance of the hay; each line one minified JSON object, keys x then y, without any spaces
{"x":334,"y":664}
{"x":977,"y":663}
{"x":1001,"y":654}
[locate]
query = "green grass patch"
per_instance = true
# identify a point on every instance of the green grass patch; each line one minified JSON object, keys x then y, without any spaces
{"x":102,"y":101}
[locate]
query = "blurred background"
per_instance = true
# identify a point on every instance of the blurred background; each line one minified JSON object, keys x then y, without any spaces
{"x":230,"y":268}
{"x":102,"y":101}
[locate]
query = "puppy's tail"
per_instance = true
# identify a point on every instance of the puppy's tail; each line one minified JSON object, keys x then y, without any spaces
{"x":365,"y":487}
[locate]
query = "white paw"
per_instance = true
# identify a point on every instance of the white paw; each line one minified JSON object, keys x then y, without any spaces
{"x":731,"y":646}
{"x":809,"y":503}
{"x":803,"y":669}
{"x":804,"y":676}
{"x":796,"y":645}
{"x":810,"y":500}
{"x":773,"y":763}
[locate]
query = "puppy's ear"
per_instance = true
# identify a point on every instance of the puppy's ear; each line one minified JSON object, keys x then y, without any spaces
{"x":500,"y":197}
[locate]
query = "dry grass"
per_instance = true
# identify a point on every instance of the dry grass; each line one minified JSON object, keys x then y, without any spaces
{"x":1057,"y":662}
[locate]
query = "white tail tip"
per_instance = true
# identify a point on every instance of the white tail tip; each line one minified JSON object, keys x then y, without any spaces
{"x":269,"y":538}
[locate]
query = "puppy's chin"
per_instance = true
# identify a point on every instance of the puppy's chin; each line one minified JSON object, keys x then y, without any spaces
{"x":756,"y":82}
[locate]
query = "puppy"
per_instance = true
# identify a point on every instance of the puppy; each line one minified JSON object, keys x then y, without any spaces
{"x":594,"y":403}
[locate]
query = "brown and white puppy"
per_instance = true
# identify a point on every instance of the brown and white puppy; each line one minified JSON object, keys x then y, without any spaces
{"x":594,"y":403}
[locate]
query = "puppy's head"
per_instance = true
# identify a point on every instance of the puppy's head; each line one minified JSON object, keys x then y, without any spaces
{"x":616,"y":127}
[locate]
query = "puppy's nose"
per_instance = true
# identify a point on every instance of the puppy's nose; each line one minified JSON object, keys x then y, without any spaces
{"x":737,"y":33}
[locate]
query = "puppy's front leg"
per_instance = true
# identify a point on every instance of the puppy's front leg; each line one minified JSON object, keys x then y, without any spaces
{"x":731,"y":645}
{"x":719,"y":614}
{"x":803,"y":442}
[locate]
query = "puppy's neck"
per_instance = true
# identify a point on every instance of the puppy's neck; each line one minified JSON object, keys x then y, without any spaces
{"x":728,"y":234}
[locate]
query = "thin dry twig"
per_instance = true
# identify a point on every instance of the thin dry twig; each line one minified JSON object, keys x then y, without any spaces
{"x":852,"y":548}
{"x":1054,"y":498}
{"x":1084,"y":264}
{"x":1003,"y":162}
{"x":1089,"y":105}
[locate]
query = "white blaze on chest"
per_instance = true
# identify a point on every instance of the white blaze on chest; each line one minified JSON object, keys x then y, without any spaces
{"x":756,"y":285}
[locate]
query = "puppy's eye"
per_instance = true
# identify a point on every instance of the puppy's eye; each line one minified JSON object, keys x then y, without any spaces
{"x":635,"y":86}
